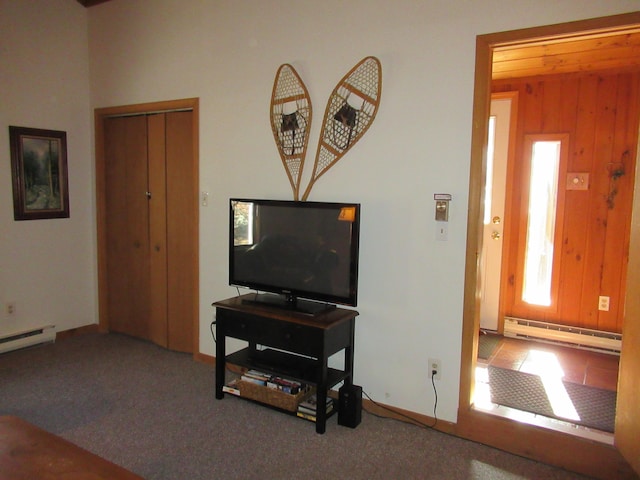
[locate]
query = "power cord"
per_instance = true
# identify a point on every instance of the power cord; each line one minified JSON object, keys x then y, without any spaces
{"x":435,"y":403}
{"x":213,"y":322}
{"x":413,"y":420}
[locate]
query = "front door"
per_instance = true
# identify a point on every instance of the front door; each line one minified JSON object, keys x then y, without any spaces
{"x":500,"y":123}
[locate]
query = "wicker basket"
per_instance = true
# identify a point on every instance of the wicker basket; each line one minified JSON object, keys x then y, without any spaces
{"x":271,"y":396}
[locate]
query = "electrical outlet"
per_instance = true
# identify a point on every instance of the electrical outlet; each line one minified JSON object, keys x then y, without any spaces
{"x":10,"y":308}
{"x":603,"y":304}
{"x":434,"y":368}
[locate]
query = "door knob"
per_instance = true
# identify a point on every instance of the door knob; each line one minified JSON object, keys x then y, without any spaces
{"x":495,"y":235}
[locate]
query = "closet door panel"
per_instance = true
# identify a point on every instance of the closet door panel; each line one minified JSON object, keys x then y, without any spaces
{"x":157,"y":230}
{"x":127,"y":225}
{"x":118,"y":252}
{"x":182,"y":204}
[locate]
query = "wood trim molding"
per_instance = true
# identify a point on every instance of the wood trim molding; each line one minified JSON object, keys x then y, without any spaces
{"x":100,"y":114}
{"x":572,"y":453}
{"x":628,"y":424}
{"x":91,"y":3}
{"x":423,"y":421}
{"x":75,"y":332}
{"x":567,"y":451}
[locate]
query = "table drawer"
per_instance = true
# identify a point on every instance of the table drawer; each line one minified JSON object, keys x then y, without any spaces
{"x":243,"y":327}
{"x":287,"y":336}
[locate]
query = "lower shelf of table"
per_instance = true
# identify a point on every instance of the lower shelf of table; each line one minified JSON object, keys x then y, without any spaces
{"x":276,"y":362}
{"x":234,"y":391}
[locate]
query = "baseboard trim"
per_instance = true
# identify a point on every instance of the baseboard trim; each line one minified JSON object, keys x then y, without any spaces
{"x":204,"y":358}
{"x":407,"y":416}
{"x":74,"y":332}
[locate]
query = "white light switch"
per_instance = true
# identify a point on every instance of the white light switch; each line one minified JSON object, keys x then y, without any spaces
{"x":442,"y":231}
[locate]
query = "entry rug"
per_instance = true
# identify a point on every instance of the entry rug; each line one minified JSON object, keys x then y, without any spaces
{"x":487,"y":344}
{"x":595,"y":407}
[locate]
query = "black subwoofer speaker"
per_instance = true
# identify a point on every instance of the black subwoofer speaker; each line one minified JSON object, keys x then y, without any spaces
{"x":350,"y":405}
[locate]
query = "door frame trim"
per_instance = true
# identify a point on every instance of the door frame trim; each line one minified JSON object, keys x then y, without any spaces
{"x":556,"y":448}
{"x":100,"y":114}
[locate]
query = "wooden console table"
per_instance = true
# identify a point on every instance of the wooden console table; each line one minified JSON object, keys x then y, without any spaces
{"x":300,"y":344}
{"x":27,"y":451}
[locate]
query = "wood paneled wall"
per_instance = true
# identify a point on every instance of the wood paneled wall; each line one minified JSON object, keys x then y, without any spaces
{"x":600,"y":112}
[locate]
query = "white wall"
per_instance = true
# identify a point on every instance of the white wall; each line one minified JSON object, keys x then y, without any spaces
{"x":226,"y":52}
{"x":47,"y":267}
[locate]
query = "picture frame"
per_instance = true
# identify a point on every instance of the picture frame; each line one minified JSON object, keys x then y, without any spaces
{"x":39,"y":173}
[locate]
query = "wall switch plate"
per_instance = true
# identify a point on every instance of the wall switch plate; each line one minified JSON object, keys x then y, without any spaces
{"x":442,"y":231}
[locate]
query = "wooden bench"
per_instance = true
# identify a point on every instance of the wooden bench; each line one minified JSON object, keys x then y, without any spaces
{"x":28,"y":452}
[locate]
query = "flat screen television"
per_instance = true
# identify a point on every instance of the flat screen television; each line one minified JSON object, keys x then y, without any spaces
{"x":304,"y":255}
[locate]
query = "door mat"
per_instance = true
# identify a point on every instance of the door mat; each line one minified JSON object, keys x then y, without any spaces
{"x":487,"y":344}
{"x":595,"y":407}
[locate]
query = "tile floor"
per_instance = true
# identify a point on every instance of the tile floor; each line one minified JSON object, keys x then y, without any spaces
{"x":578,"y":366}
{"x":575,"y":365}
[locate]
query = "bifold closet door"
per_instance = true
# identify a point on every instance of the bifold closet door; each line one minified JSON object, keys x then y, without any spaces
{"x":157,"y":201}
{"x":182,"y":235}
{"x":127,"y":212}
{"x":151,"y":202}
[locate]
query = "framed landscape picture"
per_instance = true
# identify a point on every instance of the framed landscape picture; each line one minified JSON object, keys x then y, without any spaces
{"x":39,"y":171}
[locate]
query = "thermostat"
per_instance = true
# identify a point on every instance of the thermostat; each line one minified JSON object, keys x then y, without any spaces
{"x":442,"y":206}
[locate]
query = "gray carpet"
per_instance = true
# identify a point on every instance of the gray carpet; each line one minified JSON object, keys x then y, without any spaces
{"x":596,"y":407}
{"x":154,"y":412}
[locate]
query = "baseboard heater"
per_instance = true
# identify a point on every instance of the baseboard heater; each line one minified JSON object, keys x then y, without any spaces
{"x":27,"y":338}
{"x":596,"y":340}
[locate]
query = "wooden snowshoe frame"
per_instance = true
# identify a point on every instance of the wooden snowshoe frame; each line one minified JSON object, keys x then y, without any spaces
{"x":291,"y":113}
{"x":350,"y":111}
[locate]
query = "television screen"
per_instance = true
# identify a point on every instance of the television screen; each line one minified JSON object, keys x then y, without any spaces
{"x":306,"y":250}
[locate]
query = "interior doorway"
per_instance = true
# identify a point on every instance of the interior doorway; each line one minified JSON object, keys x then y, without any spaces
{"x":565,"y":261}
{"x":583,"y":456}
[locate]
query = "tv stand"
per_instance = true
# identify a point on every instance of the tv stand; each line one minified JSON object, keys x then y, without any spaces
{"x":300,"y":345}
{"x":292,"y":303}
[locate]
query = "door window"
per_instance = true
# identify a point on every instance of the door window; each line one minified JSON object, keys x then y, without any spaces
{"x":539,"y":254}
{"x":541,"y":223}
